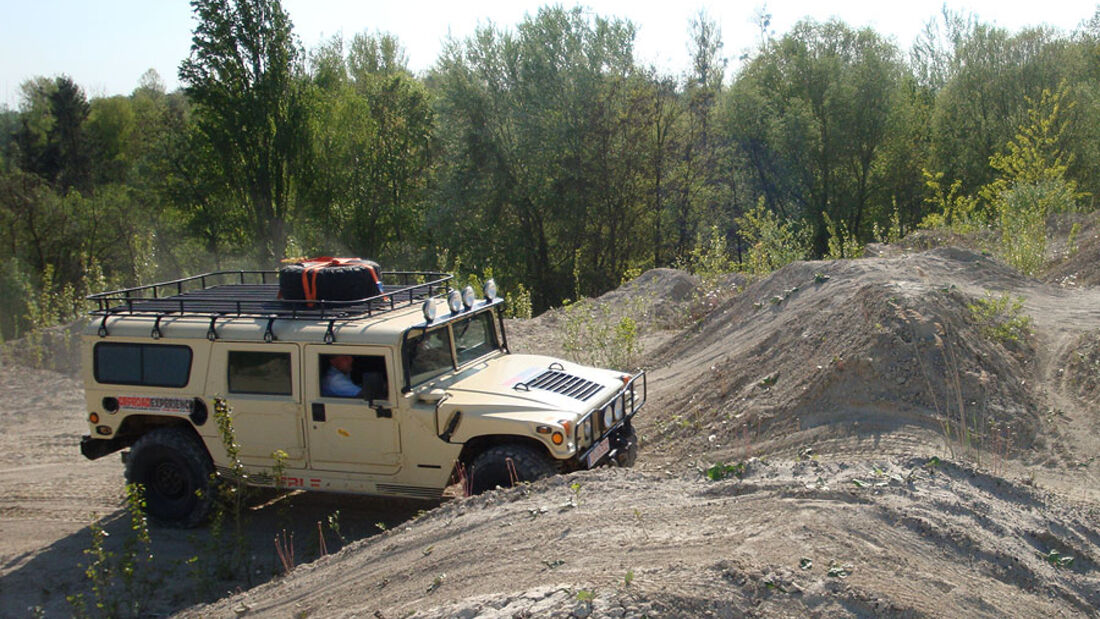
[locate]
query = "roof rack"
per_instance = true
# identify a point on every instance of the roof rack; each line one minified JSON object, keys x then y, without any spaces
{"x":256,"y":293}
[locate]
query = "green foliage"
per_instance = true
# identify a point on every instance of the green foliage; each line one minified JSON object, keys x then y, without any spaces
{"x":842,"y":243}
{"x":122,"y":583}
{"x":243,"y":77}
{"x":709,"y":259}
{"x":1057,"y":559}
{"x":517,"y":304}
{"x":721,"y":471}
{"x":1035,"y":156}
{"x":595,"y":336}
{"x":545,"y":150}
{"x":823,"y":115}
{"x":892,"y":233}
{"x":1002,"y":318}
{"x":1032,"y":183}
{"x":233,"y":555}
{"x":950,"y":209}
{"x":772,"y":243}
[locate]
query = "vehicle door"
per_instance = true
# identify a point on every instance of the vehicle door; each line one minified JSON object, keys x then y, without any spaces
{"x":351,"y":421}
{"x":261,"y":384}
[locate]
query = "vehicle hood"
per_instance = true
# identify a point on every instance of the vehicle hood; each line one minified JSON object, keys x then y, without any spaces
{"x":498,"y":386}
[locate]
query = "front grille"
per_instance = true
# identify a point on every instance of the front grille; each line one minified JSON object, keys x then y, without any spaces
{"x":565,"y":384}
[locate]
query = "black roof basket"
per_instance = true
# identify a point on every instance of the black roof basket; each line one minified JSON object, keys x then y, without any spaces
{"x":256,"y":293}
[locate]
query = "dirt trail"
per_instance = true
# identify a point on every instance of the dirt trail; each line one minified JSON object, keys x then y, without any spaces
{"x":826,"y":393}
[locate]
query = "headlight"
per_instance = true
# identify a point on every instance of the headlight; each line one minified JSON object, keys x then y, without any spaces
{"x":490,"y":290}
{"x":608,"y":417}
{"x":618,"y":407}
{"x":468,"y":297}
{"x":429,"y":310}
{"x":454,"y":301}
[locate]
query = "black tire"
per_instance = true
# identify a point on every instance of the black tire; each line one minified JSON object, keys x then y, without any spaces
{"x":174,"y":469}
{"x":490,"y":467}
{"x":627,"y":448}
{"x":349,"y":282}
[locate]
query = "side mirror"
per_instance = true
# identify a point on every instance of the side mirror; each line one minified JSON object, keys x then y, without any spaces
{"x":374,"y":386}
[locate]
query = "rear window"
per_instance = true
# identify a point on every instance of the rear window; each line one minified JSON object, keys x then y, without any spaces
{"x":149,"y":365}
{"x":265,"y":373}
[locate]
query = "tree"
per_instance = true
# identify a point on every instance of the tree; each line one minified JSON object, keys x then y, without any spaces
{"x":243,"y":77}
{"x":814,"y":113}
{"x":372,"y":148}
{"x":547,"y":135}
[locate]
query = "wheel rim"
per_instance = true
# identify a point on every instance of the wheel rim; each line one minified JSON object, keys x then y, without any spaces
{"x":169,"y":481}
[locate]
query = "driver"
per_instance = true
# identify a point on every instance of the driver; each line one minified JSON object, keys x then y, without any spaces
{"x":337,"y":381}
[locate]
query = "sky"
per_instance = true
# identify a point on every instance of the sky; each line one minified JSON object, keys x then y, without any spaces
{"x":106,"y":46}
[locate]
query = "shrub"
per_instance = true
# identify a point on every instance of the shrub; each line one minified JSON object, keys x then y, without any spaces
{"x":1001,"y":318}
{"x":772,"y":243}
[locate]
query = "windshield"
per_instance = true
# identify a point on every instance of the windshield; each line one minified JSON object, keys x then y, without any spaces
{"x":474,"y":337}
{"x":429,"y":354}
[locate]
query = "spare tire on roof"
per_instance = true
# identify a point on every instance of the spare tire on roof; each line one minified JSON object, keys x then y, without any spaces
{"x":330,"y":279}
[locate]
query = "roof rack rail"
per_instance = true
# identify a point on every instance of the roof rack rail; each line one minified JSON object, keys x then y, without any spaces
{"x":256,"y":293}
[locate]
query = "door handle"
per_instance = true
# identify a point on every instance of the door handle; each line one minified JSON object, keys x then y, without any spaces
{"x":318,"y":411}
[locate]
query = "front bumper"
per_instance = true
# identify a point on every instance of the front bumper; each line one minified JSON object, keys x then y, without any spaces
{"x":607,"y":431}
{"x":94,"y":448}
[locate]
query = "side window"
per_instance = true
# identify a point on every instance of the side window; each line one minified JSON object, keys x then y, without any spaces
{"x":150,"y":365}
{"x":354,"y":376}
{"x":264,"y":373}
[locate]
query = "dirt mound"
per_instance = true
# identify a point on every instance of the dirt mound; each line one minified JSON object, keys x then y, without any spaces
{"x":888,"y":537}
{"x":866,"y":347}
{"x":1081,"y":369}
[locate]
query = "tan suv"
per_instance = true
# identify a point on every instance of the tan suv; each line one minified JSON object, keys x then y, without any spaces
{"x":399,"y":394}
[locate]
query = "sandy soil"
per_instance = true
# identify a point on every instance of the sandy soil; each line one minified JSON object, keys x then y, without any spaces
{"x":831,"y":394}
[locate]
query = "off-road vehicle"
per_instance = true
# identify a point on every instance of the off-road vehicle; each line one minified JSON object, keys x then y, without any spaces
{"x":437,"y":396}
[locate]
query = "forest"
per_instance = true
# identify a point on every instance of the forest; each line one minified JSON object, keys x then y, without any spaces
{"x":542,"y":153}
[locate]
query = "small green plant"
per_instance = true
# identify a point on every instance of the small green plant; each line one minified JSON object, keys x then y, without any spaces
{"x":517,"y":304}
{"x":100,"y":573}
{"x":576,"y":488}
{"x":839,"y":570}
{"x":334,"y":526}
{"x":842,"y":243}
{"x":628,"y":578}
{"x":721,"y":471}
{"x":136,"y":568}
{"x":773,"y":243}
{"x":1071,"y":239}
{"x":806,"y":564}
{"x":892,"y":233}
{"x":1001,"y":318}
{"x":586,"y":596}
{"x":436,"y":582}
{"x":952,"y":209}
{"x":231,"y":495}
{"x":1057,"y":559}
{"x":121,"y":583}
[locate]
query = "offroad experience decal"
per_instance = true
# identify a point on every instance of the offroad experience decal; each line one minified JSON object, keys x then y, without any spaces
{"x":159,"y":405}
